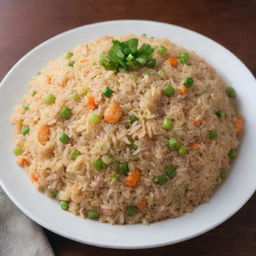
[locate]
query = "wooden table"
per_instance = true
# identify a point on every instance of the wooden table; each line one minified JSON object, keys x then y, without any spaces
{"x":24,"y":24}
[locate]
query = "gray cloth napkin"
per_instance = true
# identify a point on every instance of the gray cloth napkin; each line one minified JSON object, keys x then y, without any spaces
{"x":18,"y":234}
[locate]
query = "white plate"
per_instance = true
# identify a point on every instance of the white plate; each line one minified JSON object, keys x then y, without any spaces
{"x":228,"y":199}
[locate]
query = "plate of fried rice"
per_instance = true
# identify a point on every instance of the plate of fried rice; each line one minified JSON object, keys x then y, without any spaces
{"x":128,"y":134}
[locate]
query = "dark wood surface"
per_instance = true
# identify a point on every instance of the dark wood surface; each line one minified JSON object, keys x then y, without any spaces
{"x":26,"y":23}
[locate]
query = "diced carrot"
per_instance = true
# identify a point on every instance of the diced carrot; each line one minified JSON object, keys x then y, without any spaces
{"x":142,"y":203}
{"x":48,"y":79}
{"x":196,"y":122}
{"x":22,"y":162}
{"x":83,"y":61}
{"x":173,"y":61}
{"x":239,"y":125}
{"x":91,"y":104}
{"x":133,"y":178}
{"x":182,"y":89}
{"x":113,"y":113}
{"x":196,"y":146}
{"x":43,"y":133}
{"x":34,"y":177}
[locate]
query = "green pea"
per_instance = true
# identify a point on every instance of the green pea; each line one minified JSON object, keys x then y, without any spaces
{"x":182,"y":150}
{"x":64,"y":204}
{"x":184,"y":57}
{"x":17,"y":151}
{"x":85,"y":92}
{"x":123,"y":168}
{"x":65,"y":113}
{"x":132,"y":210}
{"x":188,"y":81}
{"x":167,"y":124}
{"x":26,"y":107}
{"x":71,"y":64}
{"x":170,"y":171}
{"x":168,"y":90}
{"x":223,"y":175}
{"x":69,"y":55}
{"x":219,"y":113}
{"x":161,"y":50}
{"x":232,"y":153}
{"x":99,"y":165}
{"x":75,"y":96}
{"x":64,"y":138}
{"x":161,"y":73}
{"x":173,"y":144}
{"x":133,"y":118}
{"x":161,"y":180}
{"x":34,"y":93}
{"x":213,"y":134}
{"x":54,"y":192}
{"x":231,"y":92}
{"x":93,"y":214}
{"x":49,"y":99}
{"x":74,"y":154}
{"x":25,"y":130}
{"x":94,"y":118}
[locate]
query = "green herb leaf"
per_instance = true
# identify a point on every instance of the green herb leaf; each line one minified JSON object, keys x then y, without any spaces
{"x":133,"y":44}
{"x":124,"y":56}
{"x":145,"y":49}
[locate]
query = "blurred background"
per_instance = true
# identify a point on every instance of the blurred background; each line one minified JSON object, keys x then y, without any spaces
{"x":27,"y":23}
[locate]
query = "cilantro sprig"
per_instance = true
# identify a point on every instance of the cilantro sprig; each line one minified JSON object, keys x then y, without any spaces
{"x":125,"y":55}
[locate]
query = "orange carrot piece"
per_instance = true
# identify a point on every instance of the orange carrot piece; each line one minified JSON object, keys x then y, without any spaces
{"x":113,"y":113}
{"x":196,"y":146}
{"x":142,"y":203}
{"x":182,"y":89}
{"x":196,"y":122}
{"x":173,"y":61}
{"x":133,"y":178}
{"x":239,"y":125}
{"x":48,"y":79}
{"x":43,"y":133}
{"x":23,"y":162}
{"x":91,"y":104}
{"x":34,"y":177}
{"x":83,"y":61}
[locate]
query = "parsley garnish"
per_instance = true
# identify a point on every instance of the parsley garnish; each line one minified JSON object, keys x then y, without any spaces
{"x":124,"y":56}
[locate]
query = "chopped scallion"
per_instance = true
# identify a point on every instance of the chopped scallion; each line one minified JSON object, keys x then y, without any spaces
{"x":107,"y":92}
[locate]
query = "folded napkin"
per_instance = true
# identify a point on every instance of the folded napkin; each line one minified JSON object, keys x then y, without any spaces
{"x":19,"y":236}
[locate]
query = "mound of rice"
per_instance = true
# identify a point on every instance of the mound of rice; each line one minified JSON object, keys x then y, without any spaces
{"x":142,"y":144}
